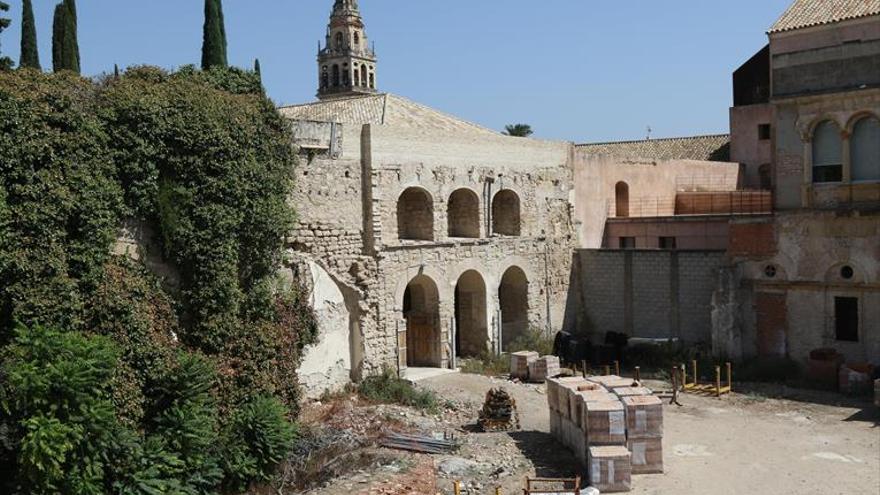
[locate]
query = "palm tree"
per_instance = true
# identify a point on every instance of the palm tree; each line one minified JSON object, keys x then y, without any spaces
{"x":518,"y":130}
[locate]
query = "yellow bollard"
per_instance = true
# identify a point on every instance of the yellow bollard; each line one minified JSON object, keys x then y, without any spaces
{"x":456,"y":487}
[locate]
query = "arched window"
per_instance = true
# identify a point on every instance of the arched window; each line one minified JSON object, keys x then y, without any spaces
{"x":827,"y":153}
{"x":357,"y":78}
{"x":506,"y":213}
{"x":357,"y":38}
{"x":325,"y":78}
{"x":338,"y":40}
{"x":415,"y":215}
{"x":346,"y":76}
{"x":372,"y":81}
{"x":463,"y":212}
{"x":335,"y":75}
{"x":865,"y":149}
{"x":621,"y":200}
{"x":364,"y":75}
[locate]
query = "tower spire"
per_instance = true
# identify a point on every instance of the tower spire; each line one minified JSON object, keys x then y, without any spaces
{"x":346,"y":63}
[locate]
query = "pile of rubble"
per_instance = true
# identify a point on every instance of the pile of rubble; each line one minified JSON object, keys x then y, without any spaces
{"x":613,"y":426}
{"x":499,"y":412}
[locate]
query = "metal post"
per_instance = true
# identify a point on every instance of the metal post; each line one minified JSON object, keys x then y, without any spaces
{"x":696,"y":378}
{"x":584,"y":368}
{"x":638,"y":374}
{"x":718,"y":381}
{"x":617,"y":368}
{"x":607,"y":370}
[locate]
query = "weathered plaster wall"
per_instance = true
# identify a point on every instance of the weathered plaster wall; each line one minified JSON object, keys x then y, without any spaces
{"x":746,"y":147}
{"x":807,"y":252}
{"x":650,"y":182}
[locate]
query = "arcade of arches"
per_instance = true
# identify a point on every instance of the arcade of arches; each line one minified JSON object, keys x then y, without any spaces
{"x":426,"y":342}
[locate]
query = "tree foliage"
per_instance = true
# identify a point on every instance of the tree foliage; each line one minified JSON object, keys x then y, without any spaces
{"x":201,"y":380}
{"x":518,"y":130}
{"x":5,"y":62}
{"x":30,"y":55}
{"x":214,"y":36}
{"x":65,"y":41}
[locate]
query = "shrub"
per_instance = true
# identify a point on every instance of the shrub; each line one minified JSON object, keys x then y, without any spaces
{"x":257,"y":440}
{"x":388,"y":388}
{"x":535,"y":339}
{"x":56,"y":400}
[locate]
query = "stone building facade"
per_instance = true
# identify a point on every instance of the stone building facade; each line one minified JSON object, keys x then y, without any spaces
{"x":427,"y":238}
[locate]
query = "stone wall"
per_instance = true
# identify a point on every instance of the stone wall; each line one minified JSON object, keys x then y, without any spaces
{"x":652,"y":294}
{"x":801,"y":268}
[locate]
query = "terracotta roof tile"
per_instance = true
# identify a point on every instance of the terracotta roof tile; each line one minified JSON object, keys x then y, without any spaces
{"x":714,"y":148}
{"x":808,"y":13}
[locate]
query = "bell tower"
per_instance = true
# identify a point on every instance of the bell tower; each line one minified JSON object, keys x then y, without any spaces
{"x":346,"y":63}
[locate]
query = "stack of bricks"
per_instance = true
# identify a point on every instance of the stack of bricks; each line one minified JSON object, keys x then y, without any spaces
{"x":543,"y":368}
{"x":613,"y":426}
{"x":519,"y":364}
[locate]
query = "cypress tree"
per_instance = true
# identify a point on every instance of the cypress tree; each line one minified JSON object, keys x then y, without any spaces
{"x":5,"y":62}
{"x":115,"y":71}
{"x":213,"y":44}
{"x":70,"y":47}
{"x":30,"y":56}
{"x":58,"y":25}
{"x":257,"y":68}
{"x":222,"y":30}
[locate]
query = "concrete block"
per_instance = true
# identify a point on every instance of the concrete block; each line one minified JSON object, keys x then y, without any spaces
{"x":543,"y":368}
{"x":519,"y":363}
{"x":610,"y":469}
{"x":622,"y":392}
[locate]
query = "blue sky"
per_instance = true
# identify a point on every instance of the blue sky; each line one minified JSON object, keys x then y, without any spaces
{"x":580,"y":70}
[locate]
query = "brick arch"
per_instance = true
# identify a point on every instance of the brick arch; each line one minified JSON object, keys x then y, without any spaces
{"x":463,"y":214}
{"x":415,"y":215}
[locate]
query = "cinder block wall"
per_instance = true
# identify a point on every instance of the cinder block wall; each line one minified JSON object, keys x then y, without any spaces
{"x":653,"y":294}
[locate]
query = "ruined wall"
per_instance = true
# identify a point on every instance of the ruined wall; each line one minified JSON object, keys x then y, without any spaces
{"x":799,"y":266}
{"x":651,"y":183}
{"x":653,"y":294}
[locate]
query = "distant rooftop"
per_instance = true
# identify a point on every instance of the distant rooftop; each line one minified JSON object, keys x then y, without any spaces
{"x":809,"y":13}
{"x":382,"y":109}
{"x":715,"y":148}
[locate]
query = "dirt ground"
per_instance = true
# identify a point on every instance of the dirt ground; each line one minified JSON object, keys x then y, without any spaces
{"x":808,"y":443}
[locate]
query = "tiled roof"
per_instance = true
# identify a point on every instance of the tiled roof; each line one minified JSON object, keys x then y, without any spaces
{"x":714,"y":148}
{"x":385,"y":109}
{"x":808,"y":13}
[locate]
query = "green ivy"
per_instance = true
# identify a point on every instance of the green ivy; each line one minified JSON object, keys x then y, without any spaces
{"x":205,"y":160}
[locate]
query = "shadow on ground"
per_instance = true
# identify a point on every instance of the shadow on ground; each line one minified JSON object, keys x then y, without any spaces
{"x":550,"y":458}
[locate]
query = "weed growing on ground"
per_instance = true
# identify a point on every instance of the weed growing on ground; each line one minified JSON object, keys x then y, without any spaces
{"x":388,"y":388}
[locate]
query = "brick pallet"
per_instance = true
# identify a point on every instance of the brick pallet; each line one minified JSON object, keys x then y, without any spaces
{"x":519,"y":363}
{"x":610,"y":469}
{"x":605,"y":423}
{"x":543,"y":368}
{"x":647,"y":455}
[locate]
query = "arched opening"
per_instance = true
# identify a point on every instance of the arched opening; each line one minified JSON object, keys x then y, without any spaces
{"x":363,"y":75}
{"x":357,"y":38}
{"x":335,"y":75}
{"x":513,"y":295}
{"x":325,"y":78}
{"x":463,"y":213}
{"x":338,"y":41}
{"x":621,"y":199}
{"x":865,"y":150}
{"x":506,"y":213}
{"x":357,"y":78}
{"x":372,"y":81}
{"x":471,"y":328}
{"x":346,"y":77}
{"x":421,"y":310}
{"x":415,"y":215}
{"x":827,"y":153}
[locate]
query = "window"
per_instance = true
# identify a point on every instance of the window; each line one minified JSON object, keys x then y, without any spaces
{"x":338,"y":40}
{"x":363,"y":75}
{"x":667,"y":243}
{"x":325,"y":78}
{"x":764,"y":132}
{"x":865,"y":149}
{"x":846,"y":319}
{"x":335,"y":75}
{"x":357,"y":78}
{"x":627,"y":243}
{"x":621,"y":199}
{"x":827,"y":153}
{"x":357,"y":38}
